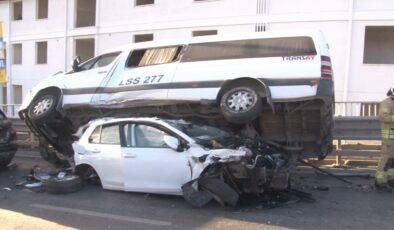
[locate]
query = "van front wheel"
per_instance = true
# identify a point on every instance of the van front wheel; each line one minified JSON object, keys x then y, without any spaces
{"x":43,"y":108}
{"x":241,"y":105}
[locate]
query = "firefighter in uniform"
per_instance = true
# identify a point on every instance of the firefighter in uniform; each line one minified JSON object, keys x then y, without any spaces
{"x":384,"y":178}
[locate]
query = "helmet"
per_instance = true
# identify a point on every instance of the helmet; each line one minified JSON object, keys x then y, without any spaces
{"x":390,"y":93}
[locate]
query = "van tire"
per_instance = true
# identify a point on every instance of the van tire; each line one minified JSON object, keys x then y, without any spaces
{"x":70,"y":183}
{"x":43,"y":108}
{"x":241,"y":105}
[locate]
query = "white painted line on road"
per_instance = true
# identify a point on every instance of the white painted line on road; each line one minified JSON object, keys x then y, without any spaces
{"x":102,"y":215}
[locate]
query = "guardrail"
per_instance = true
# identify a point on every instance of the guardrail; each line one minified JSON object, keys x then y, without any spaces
{"x":357,"y":129}
{"x":11,"y":110}
{"x":25,"y":138}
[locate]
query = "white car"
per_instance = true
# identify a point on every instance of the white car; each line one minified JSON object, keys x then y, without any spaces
{"x":284,"y":79}
{"x":178,"y":158}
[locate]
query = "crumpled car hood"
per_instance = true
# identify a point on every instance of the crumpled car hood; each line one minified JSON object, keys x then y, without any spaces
{"x":200,"y":160}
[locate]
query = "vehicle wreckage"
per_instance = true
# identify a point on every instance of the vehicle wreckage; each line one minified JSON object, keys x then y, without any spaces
{"x":178,"y":157}
{"x":279,"y":83}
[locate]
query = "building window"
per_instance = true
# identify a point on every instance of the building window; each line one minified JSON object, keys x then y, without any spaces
{"x":41,"y":52}
{"x":17,"y":54}
{"x":85,"y":13}
{"x":198,"y":33}
{"x":143,"y":37}
{"x":42,"y":9}
{"x":144,"y":2}
{"x":379,"y":45}
{"x":84,"y":48}
{"x":17,"y":94}
{"x":17,"y":11}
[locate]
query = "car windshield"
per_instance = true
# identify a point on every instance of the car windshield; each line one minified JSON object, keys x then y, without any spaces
{"x":199,"y":132}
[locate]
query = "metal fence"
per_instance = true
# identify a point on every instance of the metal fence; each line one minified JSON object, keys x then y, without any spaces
{"x":356,"y":109}
{"x":342,"y":109}
{"x":11,"y":110}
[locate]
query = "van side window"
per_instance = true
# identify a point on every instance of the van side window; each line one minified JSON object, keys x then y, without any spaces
{"x":153,"y":56}
{"x":251,"y":48}
{"x":99,"y":61}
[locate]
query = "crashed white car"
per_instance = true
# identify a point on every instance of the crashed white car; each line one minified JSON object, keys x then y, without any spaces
{"x":179,"y":158}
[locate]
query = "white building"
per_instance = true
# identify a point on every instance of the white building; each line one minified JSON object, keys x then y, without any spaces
{"x":43,"y":36}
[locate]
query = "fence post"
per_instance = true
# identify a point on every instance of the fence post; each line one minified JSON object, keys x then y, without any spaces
{"x":338,"y":157}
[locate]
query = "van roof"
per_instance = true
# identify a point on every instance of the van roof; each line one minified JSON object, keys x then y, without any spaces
{"x":317,"y":35}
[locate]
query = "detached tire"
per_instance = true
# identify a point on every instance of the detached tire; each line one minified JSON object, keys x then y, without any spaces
{"x":241,"y":105}
{"x":67,"y":184}
{"x":43,"y":108}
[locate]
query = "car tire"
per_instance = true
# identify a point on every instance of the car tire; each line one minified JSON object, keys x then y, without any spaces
{"x":90,"y":176}
{"x":241,"y":105}
{"x":42,"y":109}
{"x":68,"y":184}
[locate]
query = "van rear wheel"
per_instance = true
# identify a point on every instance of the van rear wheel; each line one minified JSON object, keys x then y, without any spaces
{"x":241,"y":104}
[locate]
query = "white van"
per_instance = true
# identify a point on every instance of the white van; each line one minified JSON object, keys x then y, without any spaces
{"x":271,"y":75}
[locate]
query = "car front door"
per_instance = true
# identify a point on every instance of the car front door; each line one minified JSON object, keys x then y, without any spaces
{"x":149,"y":165}
{"x":81,"y":86}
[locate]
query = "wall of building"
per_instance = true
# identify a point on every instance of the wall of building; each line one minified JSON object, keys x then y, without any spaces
{"x":342,"y":21}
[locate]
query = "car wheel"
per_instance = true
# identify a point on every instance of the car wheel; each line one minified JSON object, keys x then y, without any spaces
{"x":241,"y":105}
{"x":66,"y":184}
{"x":43,"y":108}
{"x":90,"y":176}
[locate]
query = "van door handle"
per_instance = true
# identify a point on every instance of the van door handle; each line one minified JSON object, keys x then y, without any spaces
{"x":95,"y":151}
{"x":103,"y":71}
{"x":129,"y":155}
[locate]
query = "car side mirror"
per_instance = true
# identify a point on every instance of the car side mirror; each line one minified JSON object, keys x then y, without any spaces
{"x":76,"y":62}
{"x":173,"y":143}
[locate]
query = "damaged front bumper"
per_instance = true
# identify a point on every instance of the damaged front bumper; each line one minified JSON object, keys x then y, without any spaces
{"x":225,"y":174}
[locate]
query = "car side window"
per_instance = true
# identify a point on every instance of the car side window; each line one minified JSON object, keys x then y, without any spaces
{"x":108,"y":134}
{"x":149,"y":137}
{"x":153,"y":56}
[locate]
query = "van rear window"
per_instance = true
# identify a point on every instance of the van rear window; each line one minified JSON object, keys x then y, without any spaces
{"x":251,"y":48}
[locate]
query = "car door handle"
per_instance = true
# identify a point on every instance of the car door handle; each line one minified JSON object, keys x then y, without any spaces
{"x":103,"y":71}
{"x":129,"y":155}
{"x":95,"y":151}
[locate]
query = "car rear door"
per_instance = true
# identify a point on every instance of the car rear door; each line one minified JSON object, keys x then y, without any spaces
{"x":144,"y":77}
{"x":103,"y":153}
{"x":149,"y":165}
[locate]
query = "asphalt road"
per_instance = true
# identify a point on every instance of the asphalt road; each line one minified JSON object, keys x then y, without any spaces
{"x":341,"y":207}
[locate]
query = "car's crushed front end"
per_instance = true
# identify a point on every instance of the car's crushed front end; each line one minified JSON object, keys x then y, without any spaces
{"x":233,"y":165}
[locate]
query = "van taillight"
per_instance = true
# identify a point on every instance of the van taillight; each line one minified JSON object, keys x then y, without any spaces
{"x":326,"y":70}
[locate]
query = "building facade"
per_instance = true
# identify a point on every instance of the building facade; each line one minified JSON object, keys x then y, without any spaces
{"x":43,"y":36}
